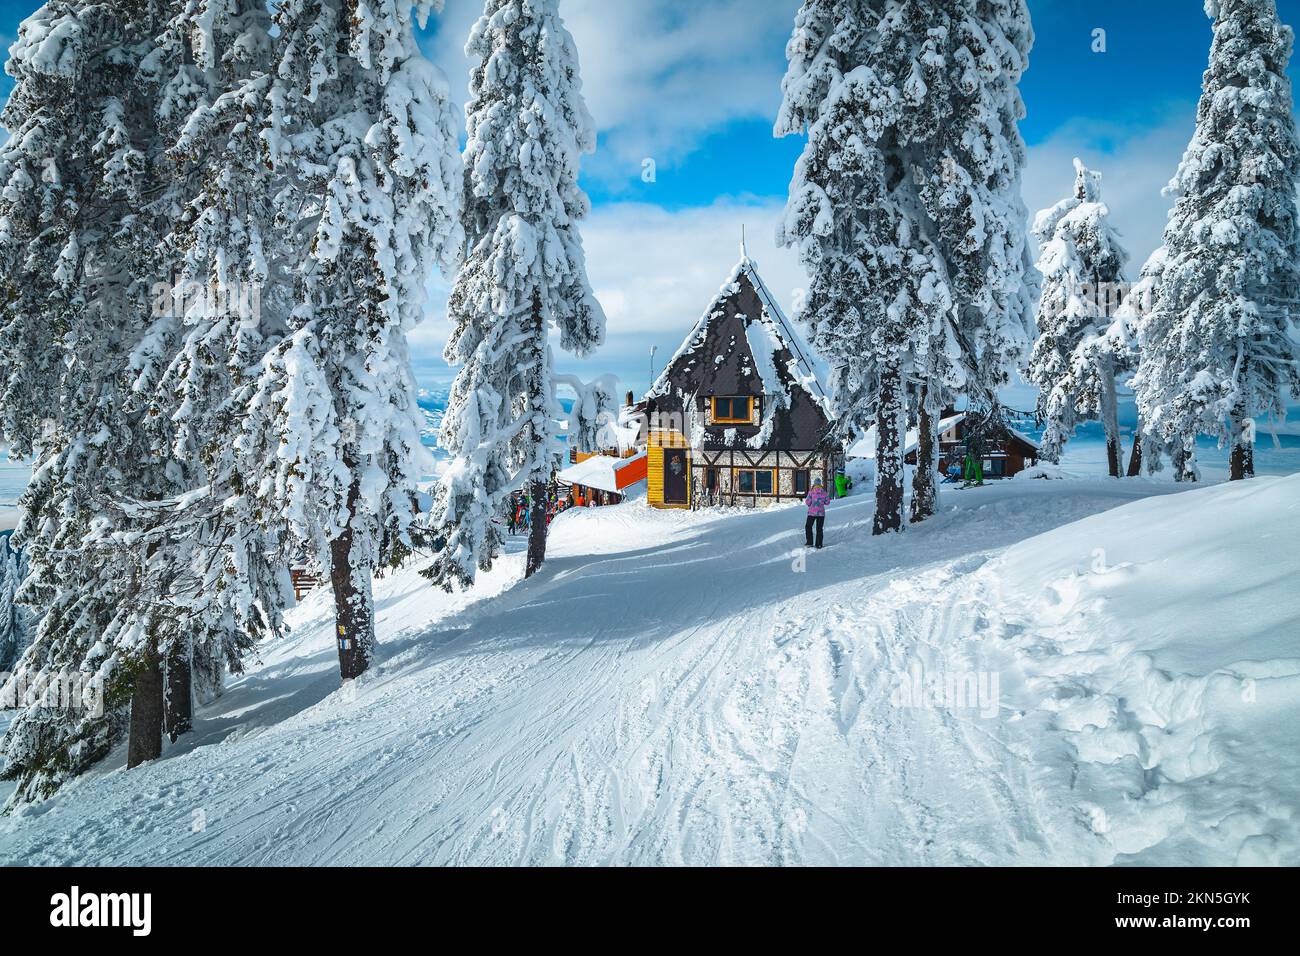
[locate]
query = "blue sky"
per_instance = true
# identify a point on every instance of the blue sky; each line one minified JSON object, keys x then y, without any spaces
{"x":693,"y":85}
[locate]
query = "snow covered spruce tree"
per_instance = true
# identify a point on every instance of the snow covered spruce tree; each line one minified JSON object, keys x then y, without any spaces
{"x":80,"y":220}
{"x":205,"y":558}
{"x":1082,"y":265}
{"x":595,"y":409}
{"x":876,"y":288}
{"x":905,"y":208}
{"x":1216,"y":348}
{"x":361,"y":132}
{"x":958,"y":66}
{"x":524,"y":273}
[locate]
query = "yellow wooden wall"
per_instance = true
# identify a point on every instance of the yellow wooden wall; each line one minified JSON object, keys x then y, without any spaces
{"x":655,"y":467}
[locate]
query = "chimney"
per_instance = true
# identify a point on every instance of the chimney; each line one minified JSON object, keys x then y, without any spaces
{"x":630,"y":400}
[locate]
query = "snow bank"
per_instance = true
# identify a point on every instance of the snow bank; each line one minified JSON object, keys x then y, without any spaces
{"x":1161,"y":640}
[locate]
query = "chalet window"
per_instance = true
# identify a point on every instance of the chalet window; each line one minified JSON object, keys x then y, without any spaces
{"x":733,"y":410}
{"x":801,"y":481}
{"x":711,"y":479}
{"x":754,"y":481}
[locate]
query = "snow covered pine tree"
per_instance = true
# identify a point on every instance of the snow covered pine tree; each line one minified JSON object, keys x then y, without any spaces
{"x":206,"y":557}
{"x":80,"y":230}
{"x":1082,"y":264}
{"x":595,"y":409}
{"x":958,"y":65}
{"x":363,"y":136}
{"x":1216,"y":349}
{"x":1122,"y":341}
{"x":876,"y":292}
{"x":905,"y":209}
{"x":524,"y":272}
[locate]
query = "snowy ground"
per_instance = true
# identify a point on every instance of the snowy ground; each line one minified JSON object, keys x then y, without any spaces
{"x":1123,"y":685}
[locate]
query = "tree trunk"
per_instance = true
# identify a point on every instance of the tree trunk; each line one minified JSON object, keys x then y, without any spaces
{"x":1184,"y":465}
{"x":889,"y":454}
{"x":539,"y":386}
{"x":1135,"y":460}
{"x":178,"y":713}
{"x":1110,"y":422}
{"x":1242,"y":460}
{"x":536,"y":529}
{"x":351,"y":577}
{"x":925,"y":490}
{"x":145,"y":742}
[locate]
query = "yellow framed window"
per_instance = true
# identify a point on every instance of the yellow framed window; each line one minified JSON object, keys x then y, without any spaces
{"x":755,"y":481}
{"x":733,"y":409}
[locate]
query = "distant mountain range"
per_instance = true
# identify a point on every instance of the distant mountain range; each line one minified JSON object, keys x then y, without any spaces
{"x":433,"y":403}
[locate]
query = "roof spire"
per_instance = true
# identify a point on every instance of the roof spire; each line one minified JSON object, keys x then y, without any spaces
{"x":744,"y":253}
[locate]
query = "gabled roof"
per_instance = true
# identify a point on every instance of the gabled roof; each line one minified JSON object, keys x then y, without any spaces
{"x":767,"y":334}
{"x":604,"y":472}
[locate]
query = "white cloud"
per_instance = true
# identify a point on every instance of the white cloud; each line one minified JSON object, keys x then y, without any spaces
{"x":655,"y":271}
{"x":657,"y":77}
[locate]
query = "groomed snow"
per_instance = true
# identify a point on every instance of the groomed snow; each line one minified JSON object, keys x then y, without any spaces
{"x":1124,"y":668}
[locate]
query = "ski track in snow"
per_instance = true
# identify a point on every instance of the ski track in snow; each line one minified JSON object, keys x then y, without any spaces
{"x":670,"y":690}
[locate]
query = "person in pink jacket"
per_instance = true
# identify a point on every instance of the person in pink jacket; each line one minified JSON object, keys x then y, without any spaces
{"x":816,"y":501}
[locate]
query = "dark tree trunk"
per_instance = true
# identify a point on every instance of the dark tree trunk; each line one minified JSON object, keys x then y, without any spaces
{"x":536,"y":529}
{"x":1113,"y":455}
{"x":145,"y":742}
{"x":925,"y":491}
{"x":889,"y":457}
{"x":1135,"y":459}
{"x":1184,"y":465}
{"x":1110,"y":422}
{"x":351,"y":578}
{"x":538,"y":387}
{"x":1242,"y":460}
{"x":178,"y":715}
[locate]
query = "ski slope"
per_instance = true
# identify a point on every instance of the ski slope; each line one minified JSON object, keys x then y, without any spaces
{"x":1121,"y":664}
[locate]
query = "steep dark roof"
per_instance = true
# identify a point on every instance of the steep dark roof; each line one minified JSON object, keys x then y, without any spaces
{"x":744,"y":345}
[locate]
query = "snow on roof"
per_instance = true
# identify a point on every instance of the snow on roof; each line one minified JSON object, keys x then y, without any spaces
{"x":804,"y":368}
{"x":766,"y":335}
{"x":598,"y":471}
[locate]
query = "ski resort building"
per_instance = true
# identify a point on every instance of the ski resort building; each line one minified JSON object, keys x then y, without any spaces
{"x":738,"y":414}
{"x":1004,"y":452}
{"x":601,"y":479}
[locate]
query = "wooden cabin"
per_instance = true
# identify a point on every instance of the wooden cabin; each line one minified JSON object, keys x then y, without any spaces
{"x":737,"y":415}
{"x":601,"y":479}
{"x":1006,"y":452}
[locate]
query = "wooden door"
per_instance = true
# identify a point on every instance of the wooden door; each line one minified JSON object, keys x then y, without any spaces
{"x":677,"y":471}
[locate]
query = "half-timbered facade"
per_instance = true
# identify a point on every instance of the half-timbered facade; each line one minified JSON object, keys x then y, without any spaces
{"x":738,"y":414}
